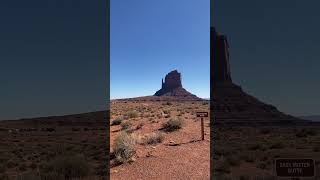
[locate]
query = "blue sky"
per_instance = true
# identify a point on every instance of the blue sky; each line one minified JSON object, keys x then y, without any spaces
{"x":148,"y":39}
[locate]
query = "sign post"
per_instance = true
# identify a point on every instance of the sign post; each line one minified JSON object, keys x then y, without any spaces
{"x":202,"y":115}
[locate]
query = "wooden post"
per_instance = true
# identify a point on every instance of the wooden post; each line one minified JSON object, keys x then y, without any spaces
{"x":202,"y":129}
{"x":202,"y":115}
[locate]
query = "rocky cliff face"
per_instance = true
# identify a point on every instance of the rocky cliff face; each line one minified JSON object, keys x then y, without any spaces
{"x":172,"y":81}
{"x":172,"y":86}
{"x":220,"y":58}
{"x":230,"y":103}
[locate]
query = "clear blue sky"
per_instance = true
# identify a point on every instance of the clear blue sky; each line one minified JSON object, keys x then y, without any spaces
{"x":274,"y":50}
{"x":151,"y":38}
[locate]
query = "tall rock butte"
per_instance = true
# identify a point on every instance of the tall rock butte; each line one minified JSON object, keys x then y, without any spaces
{"x":230,"y":103}
{"x":172,"y":86}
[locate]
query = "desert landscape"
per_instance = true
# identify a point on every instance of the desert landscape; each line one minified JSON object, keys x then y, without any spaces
{"x":249,"y":152}
{"x":54,"y":148}
{"x":159,"y":137}
{"x":247,"y":134}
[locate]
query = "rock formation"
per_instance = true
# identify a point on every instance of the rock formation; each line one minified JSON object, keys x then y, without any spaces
{"x":172,"y":86}
{"x":172,"y":81}
{"x":220,"y":56}
{"x":230,"y":103}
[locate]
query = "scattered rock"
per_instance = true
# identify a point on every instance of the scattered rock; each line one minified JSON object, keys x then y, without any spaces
{"x":173,"y":143}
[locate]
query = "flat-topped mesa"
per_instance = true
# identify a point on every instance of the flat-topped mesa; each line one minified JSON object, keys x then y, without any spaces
{"x":220,"y":54}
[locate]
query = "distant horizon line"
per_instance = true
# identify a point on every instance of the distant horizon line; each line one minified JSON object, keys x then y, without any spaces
{"x":206,"y":98}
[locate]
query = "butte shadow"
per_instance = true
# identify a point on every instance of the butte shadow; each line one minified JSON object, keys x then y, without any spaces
{"x":230,"y":104}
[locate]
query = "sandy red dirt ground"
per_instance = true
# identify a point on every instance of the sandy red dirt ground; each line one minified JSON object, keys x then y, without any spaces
{"x":188,"y":159}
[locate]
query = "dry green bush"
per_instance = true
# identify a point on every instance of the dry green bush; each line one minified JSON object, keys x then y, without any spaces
{"x":166,"y":111}
{"x":126,"y":125}
{"x":123,"y":148}
{"x":173,"y":124}
{"x":153,"y":138}
{"x":132,"y":114}
{"x":71,"y":166}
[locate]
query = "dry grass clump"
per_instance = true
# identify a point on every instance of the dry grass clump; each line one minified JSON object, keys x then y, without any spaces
{"x":166,"y":111}
{"x":66,"y":166}
{"x":126,"y":125}
{"x":124,"y":148}
{"x":306,"y":133}
{"x":132,"y":114}
{"x":153,"y":138}
{"x":173,"y":124}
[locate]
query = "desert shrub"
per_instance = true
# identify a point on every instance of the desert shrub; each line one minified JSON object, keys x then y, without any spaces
{"x":169,"y":103}
{"x":306,"y":132}
{"x":126,"y":125}
{"x":257,"y":146}
{"x":173,"y":125}
{"x":69,"y":167}
{"x":117,"y":121}
{"x":205,"y":103}
{"x":166,"y":111}
{"x":123,"y":148}
{"x":132,"y":114}
{"x":154,"y":138}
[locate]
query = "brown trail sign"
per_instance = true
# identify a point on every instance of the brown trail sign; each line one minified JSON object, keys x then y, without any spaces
{"x":202,"y":115}
{"x":295,"y":168}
